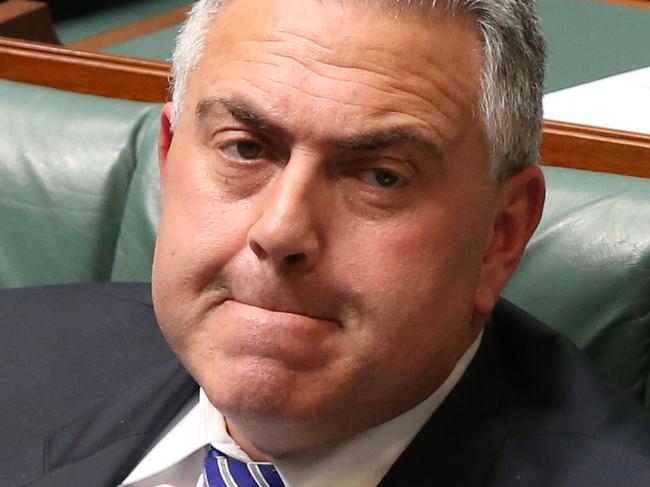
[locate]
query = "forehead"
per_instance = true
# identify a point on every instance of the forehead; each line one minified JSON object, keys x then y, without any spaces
{"x":345,"y":61}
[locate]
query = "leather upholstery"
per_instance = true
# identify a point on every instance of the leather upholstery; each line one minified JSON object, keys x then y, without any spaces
{"x":586,"y":271}
{"x":66,"y":164}
{"x":79,"y":201}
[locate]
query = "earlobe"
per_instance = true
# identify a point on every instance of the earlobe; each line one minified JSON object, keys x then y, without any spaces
{"x":165,"y":137}
{"x":519,"y":211}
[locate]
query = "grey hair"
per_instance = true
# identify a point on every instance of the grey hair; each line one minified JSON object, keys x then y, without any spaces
{"x":512,"y":78}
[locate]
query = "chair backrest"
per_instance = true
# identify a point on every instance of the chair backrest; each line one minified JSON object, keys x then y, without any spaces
{"x":67,"y":166}
{"x":79,"y":201}
{"x":586,"y":271}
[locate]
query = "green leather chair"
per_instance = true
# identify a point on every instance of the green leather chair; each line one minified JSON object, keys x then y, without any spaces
{"x":79,"y":201}
{"x":586,"y":271}
{"x":69,"y":167}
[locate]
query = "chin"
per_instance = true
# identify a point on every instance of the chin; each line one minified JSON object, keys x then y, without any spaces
{"x":256,"y":388}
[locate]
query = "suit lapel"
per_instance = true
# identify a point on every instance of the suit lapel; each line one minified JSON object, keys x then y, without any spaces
{"x":460,"y":442}
{"x":101,"y":447}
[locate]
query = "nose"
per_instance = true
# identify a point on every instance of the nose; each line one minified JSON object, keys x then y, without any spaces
{"x":286,"y":235}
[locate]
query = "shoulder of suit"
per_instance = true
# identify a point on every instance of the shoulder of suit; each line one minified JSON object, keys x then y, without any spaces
{"x":562,"y":412}
{"x":73,"y":318}
{"x":70,"y":301}
{"x":95,"y":291}
{"x":78,"y":364}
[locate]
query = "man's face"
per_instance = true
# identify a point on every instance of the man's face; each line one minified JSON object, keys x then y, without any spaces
{"x":326,"y":214}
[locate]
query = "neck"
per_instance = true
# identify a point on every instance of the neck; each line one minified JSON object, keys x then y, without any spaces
{"x":243,"y":442}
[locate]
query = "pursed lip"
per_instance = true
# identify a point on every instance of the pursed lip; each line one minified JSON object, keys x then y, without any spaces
{"x":284,"y":309}
{"x":282,"y":336}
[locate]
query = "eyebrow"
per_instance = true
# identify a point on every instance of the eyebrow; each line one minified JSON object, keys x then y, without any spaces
{"x":248,"y":115}
{"x":242,"y":111}
{"x":383,"y":139}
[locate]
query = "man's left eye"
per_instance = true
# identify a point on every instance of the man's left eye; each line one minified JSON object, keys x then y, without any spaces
{"x":243,"y":149}
{"x":382,"y":178}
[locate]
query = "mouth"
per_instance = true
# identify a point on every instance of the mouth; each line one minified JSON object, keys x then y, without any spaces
{"x":279,"y":314}
{"x":295,"y":340}
{"x":276,"y":297}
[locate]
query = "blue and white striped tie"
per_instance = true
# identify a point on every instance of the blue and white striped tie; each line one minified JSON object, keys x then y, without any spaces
{"x":223,"y":471}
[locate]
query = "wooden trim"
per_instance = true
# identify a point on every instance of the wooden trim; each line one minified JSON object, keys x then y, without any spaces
{"x":630,"y":3}
{"x":83,"y":72}
{"x":563,"y":144}
{"x":131,"y":31}
{"x":27,"y":19}
{"x":595,"y":149}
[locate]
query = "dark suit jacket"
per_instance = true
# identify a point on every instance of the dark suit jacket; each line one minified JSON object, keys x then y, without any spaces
{"x":87,"y":383}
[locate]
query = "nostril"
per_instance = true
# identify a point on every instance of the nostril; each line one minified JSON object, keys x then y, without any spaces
{"x":257,"y":249}
{"x":294,"y":259}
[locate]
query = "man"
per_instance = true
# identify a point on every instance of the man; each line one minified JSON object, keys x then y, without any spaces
{"x":346,"y":188}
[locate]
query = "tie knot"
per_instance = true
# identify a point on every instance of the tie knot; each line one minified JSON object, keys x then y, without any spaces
{"x":225,"y":471}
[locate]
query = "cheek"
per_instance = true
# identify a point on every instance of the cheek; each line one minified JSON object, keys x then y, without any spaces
{"x":200,"y":230}
{"x":415,"y":274}
{"x":420,"y":253}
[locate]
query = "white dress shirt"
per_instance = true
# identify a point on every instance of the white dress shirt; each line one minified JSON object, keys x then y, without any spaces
{"x":176,"y":459}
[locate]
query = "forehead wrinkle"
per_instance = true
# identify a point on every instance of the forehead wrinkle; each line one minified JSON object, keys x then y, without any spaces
{"x":277,"y":37}
{"x":291,"y":42}
{"x":438,"y":109}
{"x":245,"y":112}
{"x":444,"y":80}
{"x":441,"y":108}
{"x":376,"y":65}
{"x":273,"y":118}
{"x":443,"y":97}
{"x":434,"y":120}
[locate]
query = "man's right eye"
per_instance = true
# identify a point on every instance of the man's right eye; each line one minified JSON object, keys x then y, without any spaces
{"x":243,"y":149}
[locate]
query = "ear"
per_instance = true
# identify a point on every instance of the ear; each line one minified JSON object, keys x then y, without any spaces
{"x":165,"y":137}
{"x":519,"y":209}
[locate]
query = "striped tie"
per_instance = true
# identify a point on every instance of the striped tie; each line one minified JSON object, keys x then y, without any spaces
{"x":223,"y":471}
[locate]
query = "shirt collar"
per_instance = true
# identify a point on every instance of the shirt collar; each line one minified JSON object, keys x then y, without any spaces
{"x":363,"y":459}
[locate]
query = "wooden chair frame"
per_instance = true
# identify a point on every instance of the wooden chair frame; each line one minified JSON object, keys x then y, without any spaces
{"x":83,"y":72}
{"x":563,"y":144}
